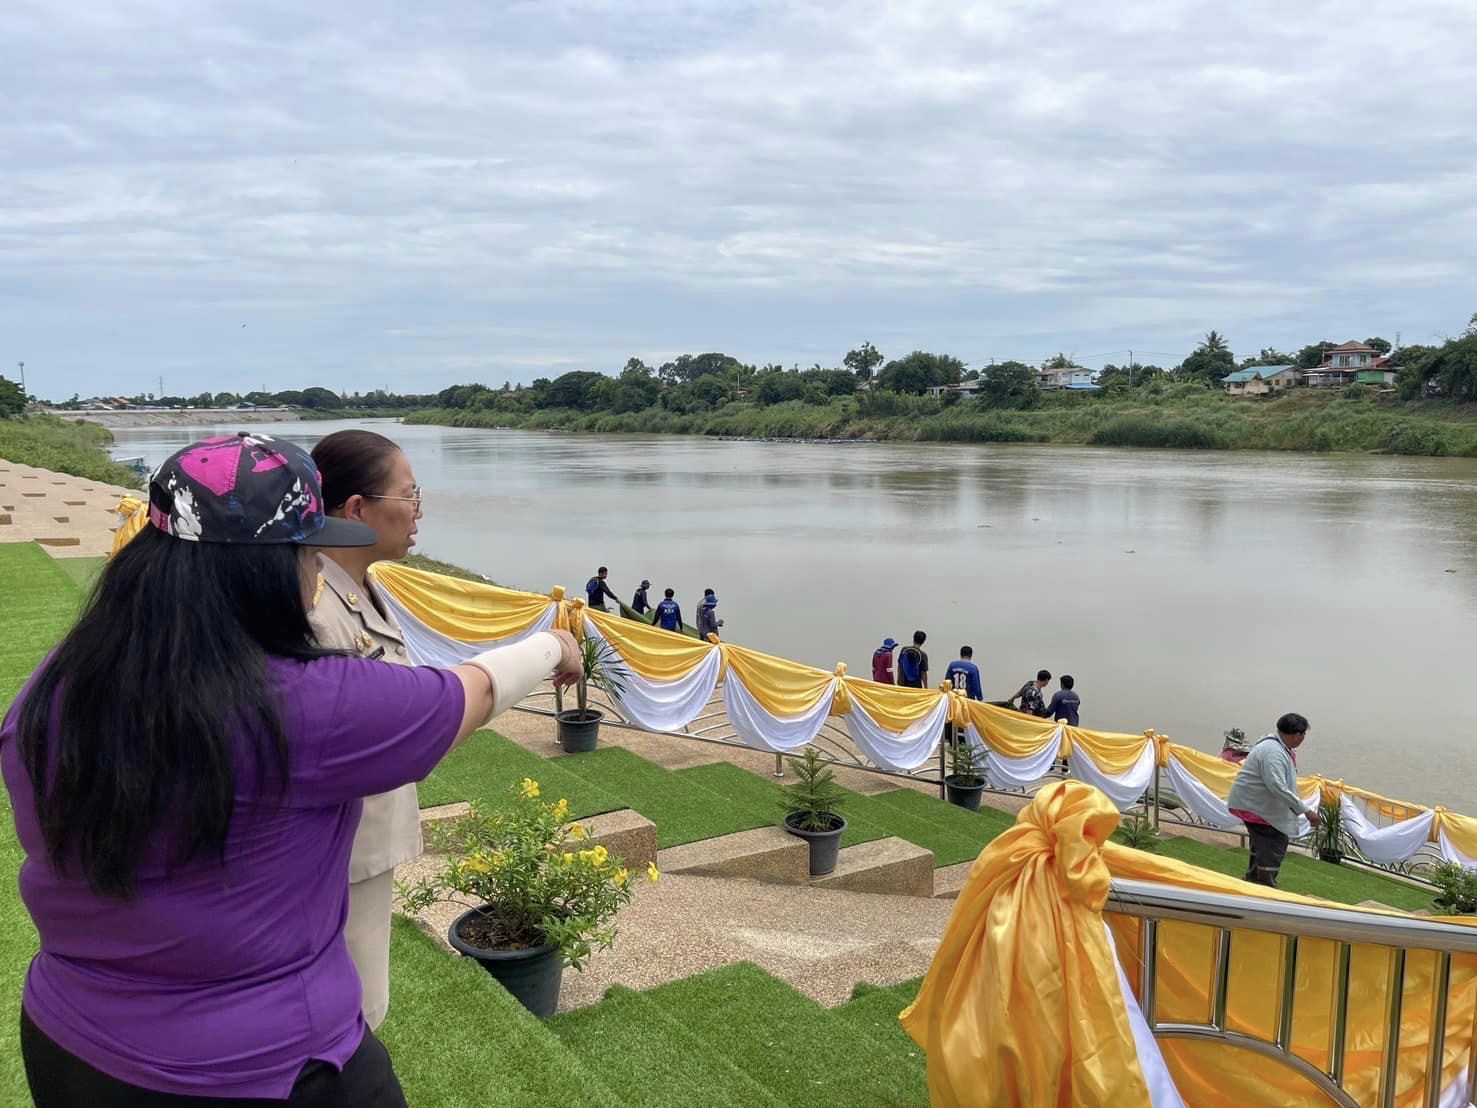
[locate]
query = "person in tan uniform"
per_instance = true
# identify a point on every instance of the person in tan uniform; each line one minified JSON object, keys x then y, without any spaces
{"x":367,"y":478}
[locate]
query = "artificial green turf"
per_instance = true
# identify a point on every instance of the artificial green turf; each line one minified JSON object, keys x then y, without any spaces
{"x":82,"y":572}
{"x":1302,"y":874}
{"x":676,"y":1070}
{"x":459,"y":1040}
{"x":784,"y":1040}
{"x":487,"y":765}
{"x":873,"y":1012}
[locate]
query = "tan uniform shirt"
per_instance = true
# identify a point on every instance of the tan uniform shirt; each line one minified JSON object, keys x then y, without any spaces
{"x":346,"y":617}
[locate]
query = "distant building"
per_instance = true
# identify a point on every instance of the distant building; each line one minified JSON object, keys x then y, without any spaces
{"x":963,"y":388}
{"x":1067,"y":377}
{"x":1261,"y":380}
{"x":1352,"y":363}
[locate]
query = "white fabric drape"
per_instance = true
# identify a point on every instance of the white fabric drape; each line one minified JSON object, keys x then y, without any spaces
{"x":1450,"y":852}
{"x":666,"y":705}
{"x":431,"y":648}
{"x":898,"y":750}
{"x":1123,"y":790}
{"x":1395,"y":843}
{"x":1197,"y":798}
{"x":1162,"y":1090}
{"x":1015,"y":773}
{"x":757,"y":727}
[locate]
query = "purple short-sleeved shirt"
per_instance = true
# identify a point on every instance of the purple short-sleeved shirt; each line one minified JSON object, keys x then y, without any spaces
{"x":227,"y":980}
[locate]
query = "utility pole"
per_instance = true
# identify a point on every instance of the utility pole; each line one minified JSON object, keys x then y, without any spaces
{"x":23,"y":377}
{"x":1130,"y":369}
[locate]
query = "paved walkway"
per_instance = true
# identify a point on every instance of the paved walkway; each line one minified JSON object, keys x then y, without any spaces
{"x":69,"y":517}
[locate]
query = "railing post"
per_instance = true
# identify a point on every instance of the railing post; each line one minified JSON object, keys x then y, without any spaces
{"x":943,"y":764}
{"x":1150,"y":735}
{"x":1394,"y":1000}
{"x":779,"y":765}
{"x":1338,"y":1032}
{"x":1440,"y":983}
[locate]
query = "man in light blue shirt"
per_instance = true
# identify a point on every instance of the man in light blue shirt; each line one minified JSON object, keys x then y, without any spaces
{"x":1265,"y":797}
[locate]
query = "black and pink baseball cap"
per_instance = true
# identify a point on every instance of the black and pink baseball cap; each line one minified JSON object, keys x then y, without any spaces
{"x":247,"y":488}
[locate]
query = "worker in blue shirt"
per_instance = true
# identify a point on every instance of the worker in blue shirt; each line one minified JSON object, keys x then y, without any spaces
{"x":707,"y":615}
{"x":668,"y":615}
{"x":596,"y":590}
{"x":964,"y":675}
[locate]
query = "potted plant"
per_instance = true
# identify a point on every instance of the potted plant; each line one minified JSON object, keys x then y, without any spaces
{"x":1457,"y":895}
{"x":1138,"y":831}
{"x":964,"y":786}
{"x":1329,"y":837}
{"x":811,"y":803}
{"x":601,"y":666}
{"x":538,"y":896}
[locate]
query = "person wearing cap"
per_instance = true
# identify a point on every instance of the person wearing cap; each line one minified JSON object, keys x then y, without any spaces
{"x":882,"y":661}
{"x":707,"y":615}
{"x":185,"y":771}
{"x":367,"y":478}
{"x":639,"y":604}
{"x":1235,"y":748}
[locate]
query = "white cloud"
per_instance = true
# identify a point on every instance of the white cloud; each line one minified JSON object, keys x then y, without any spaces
{"x":420,"y":193}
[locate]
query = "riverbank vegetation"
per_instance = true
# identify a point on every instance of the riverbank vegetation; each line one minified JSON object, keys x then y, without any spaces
{"x":64,"y":446}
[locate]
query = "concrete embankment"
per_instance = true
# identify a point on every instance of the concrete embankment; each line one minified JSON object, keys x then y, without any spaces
{"x":190,"y":417}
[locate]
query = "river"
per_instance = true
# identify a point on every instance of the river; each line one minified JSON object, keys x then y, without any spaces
{"x":1185,"y":591}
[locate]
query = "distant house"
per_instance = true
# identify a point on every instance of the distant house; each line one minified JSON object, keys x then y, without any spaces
{"x":1068,"y":377}
{"x":1352,"y":363}
{"x":963,"y":388}
{"x":1261,"y":380}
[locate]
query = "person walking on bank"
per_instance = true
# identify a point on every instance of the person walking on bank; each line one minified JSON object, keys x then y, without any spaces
{"x":912,"y":664}
{"x":882,"y":661}
{"x":639,"y":604}
{"x":1065,"y":705}
{"x":964,"y":675}
{"x":668,"y":615}
{"x":1265,"y":798}
{"x":596,"y":590}
{"x":707,"y":615}
{"x":368,"y":479}
{"x":1030,"y":695}
{"x":185,"y":771}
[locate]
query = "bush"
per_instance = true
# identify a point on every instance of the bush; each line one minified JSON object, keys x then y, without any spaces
{"x":1138,"y":831}
{"x":1142,"y":430}
{"x":1457,"y":887}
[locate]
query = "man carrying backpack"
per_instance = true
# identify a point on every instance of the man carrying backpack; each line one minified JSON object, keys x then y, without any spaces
{"x":596,"y":590}
{"x":912,"y":664}
{"x":668,"y":615}
{"x":639,"y":604}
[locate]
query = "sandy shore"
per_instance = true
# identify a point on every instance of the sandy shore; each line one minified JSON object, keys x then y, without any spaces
{"x":194,"y":417}
{"x":69,"y":517}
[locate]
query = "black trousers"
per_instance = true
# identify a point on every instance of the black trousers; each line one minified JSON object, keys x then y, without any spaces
{"x":59,"y":1079}
{"x":1268,"y":848}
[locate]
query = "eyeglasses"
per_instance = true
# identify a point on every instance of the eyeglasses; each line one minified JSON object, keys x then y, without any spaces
{"x":415,"y":498}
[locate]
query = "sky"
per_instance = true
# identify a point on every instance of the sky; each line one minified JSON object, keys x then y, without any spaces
{"x":231,"y":196}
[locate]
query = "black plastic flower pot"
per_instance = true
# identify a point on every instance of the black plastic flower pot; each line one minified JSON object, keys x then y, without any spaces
{"x":1334,"y":857}
{"x":532,"y":975}
{"x":579,"y":730}
{"x":964,"y":791}
{"x":824,"y":845}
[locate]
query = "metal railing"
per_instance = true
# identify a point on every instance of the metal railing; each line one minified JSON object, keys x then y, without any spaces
{"x":1153,"y":904}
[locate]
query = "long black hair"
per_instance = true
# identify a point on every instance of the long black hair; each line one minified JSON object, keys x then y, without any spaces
{"x":136,"y":721}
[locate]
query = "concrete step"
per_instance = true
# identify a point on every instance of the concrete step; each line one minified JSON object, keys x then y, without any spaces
{"x":627,"y":834}
{"x":948,"y":880}
{"x":890,"y":865}
{"x":768,"y":854}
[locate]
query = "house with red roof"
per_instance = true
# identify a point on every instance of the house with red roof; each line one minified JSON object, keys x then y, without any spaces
{"x":1352,"y":363}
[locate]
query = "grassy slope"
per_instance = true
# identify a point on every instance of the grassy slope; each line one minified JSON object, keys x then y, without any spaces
{"x":63,"y":446}
{"x":1179,"y":416}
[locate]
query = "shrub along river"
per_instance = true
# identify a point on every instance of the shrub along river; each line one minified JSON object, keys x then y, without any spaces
{"x":1185,"y":591}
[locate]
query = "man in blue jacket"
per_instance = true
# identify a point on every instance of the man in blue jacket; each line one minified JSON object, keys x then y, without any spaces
{"x":1265,"y":797}
{"x":639,"y":604}
{"x":668,"y":615}
{"x":707,"y":615}
{"x":596,"y":590}
{"x":963,"y":674}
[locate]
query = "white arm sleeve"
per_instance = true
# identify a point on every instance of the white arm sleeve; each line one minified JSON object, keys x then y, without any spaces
{"x":517,"y":669}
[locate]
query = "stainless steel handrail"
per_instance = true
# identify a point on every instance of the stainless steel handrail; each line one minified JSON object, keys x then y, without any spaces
{"x":1226,"y":913}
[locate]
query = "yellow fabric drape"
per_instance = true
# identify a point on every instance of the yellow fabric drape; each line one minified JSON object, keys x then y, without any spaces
{"x":1216,"y":1075}
{"x":1111,"y":752}
{"x":655,"y":654}
{"x":1460,"y":829}
{"x":1011,"y":733}
{"x":894,"y":707}
{"x":468,"y":611}
{"x":1218,"y":775}
{"x":1021,"y":1005}
{"x":782,"y":688}
{"x":134,"y":514}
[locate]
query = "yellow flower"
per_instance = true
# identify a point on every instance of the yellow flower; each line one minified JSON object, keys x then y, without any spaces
{"x":599,"y":855}
{"x":478,"y":864}
{"x":568,"y":857}
{"x":585,"y":855}
{"x":495,"y":859}
{"x":561,"y":809}
{"x":577,"y":831}
{"x":652,"y":873}
{"x":622,"y":875}
{"x":529,"y":788}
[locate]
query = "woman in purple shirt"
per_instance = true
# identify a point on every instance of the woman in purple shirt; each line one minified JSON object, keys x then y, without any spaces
{"x":186,"y":771}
